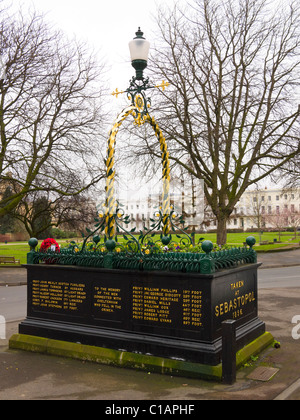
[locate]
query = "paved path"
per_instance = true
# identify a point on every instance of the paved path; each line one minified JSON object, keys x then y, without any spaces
{"x":28,"y":376}
{"x":279,"y":259}
{"x":13,"y":276}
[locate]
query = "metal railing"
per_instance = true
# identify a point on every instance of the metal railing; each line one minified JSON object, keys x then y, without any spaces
{"x":206,"y":261}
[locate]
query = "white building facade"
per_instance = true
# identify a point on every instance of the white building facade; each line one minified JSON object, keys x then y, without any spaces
{"x":267,"y":209}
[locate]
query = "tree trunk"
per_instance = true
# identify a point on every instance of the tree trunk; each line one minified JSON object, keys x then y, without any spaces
{"x":222,"y":231}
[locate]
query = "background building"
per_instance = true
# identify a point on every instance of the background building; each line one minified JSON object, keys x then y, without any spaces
{"x":275,"y":209}
{"x":257,"y":210}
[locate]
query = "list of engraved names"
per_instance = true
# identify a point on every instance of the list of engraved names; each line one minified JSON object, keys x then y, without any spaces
{"x":167,"y":306}
{"x":52,"y":295}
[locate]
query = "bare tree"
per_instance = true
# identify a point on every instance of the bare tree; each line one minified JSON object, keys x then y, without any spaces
{"x":279,"y":219}
{"x":291,"y":173}
{"x":295,"y":221}
{"x":256,"y":207}
{"x":232,"y":108}
{"x":39,"y":212}
{"x":51,"y":110}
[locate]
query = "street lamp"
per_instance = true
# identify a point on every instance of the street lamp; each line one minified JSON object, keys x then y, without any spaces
{"x":139,"y":51}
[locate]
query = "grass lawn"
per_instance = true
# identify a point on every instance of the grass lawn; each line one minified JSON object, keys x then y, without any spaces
{"x":17,"y":250}
{"x":240,"y":238}
{"x":20,"y":249}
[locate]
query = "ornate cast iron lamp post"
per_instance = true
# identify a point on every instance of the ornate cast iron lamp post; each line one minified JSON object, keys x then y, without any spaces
{"x":140,"y":104}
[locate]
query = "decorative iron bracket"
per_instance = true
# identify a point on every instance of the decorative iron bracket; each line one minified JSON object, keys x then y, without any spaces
{"x":136,"y":93}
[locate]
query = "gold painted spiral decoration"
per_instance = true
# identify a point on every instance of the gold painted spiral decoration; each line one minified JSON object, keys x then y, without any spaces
{"x":165,"y":175}
{"x":110,"y":172}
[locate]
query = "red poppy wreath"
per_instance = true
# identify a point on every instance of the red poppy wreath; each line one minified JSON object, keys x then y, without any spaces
{"x":49,"y":243}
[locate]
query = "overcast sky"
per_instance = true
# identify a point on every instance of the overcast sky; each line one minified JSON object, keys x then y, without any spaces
{"x":108,"y":26}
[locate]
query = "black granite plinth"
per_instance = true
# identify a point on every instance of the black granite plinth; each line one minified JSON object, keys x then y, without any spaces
{"x":173,"y":315}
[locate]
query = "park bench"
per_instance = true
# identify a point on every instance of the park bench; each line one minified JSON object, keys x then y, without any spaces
{"x":8,"y":260}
